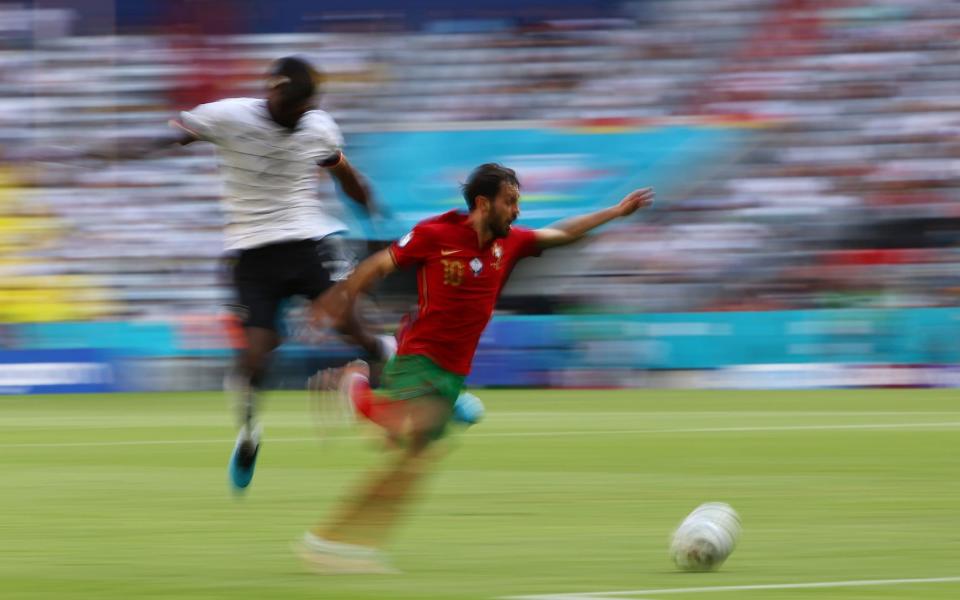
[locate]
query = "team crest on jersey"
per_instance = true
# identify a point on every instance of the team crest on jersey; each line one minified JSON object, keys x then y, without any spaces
{"x":405,"y":240}
{"x":476,"y":265}
{"x":497,"y":255}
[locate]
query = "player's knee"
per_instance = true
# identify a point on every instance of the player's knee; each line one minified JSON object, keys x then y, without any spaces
{"x":425,"y":432}
{"x":253,"y":364}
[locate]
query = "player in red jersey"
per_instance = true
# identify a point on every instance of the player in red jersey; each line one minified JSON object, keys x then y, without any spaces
{"x":463,"y":261}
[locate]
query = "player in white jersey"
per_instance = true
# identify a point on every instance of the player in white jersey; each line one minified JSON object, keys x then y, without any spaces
{"x":271,"y":153}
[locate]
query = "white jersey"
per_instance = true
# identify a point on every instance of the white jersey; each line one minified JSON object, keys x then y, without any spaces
{"x":270,"y":173}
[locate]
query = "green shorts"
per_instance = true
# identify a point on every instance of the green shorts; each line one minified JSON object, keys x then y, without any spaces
{"x":416,"y":376}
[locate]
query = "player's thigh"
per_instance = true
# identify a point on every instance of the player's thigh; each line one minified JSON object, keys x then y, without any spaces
{"x":427,"y":418}
{"x":261,"y":341}
{"x":329,"y":261}
{"x":257,"y":293}
{"x":427,"y":392}
{"x":411,"y":376}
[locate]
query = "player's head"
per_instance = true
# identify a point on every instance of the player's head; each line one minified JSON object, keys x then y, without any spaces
{"x":492,"y":192}
{"x":291,"y":87}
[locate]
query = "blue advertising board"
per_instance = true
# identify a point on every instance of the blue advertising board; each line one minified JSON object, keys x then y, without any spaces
{"x":563,"y":170}
{"x":57,"y":371}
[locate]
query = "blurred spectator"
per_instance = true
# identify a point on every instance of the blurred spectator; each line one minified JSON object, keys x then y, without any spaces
{"x":843,"y":194}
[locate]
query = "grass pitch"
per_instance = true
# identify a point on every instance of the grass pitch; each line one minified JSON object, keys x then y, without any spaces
{"x":557,"y":493}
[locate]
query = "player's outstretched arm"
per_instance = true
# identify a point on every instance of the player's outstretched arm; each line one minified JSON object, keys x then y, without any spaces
{"x":338,"y":300}
{"x":131,"y":151}
{"x":352,"y":183}
{"x":571,"y":230}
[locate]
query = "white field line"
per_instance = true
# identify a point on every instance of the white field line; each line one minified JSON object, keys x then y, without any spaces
{"x":639,"y":594}
{"x":521,"y":414}
{"x":481,"y":435}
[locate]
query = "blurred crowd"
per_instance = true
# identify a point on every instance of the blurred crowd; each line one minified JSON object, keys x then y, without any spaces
{"x":847,"y":193}
{"x":842,"y":193}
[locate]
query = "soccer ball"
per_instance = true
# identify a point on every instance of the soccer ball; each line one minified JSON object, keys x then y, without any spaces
{"x":706,"y":537}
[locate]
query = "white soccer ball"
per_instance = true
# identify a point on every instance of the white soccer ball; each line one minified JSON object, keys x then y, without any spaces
{"x":706,"y":537}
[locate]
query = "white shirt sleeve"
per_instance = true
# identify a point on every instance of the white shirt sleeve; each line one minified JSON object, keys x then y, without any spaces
{"x":326,"y":144}
{"x":206,"y":120}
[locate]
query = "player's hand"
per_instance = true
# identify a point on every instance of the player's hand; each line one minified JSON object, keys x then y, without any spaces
{"x":634,"y":201}
{"x":330,"y":308}
{"x":375,"y":211}
{"x":114,"y":152}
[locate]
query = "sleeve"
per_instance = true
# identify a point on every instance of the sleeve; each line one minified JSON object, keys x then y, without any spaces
{"x":327,"y":140}
{"x":413,"y":248}
{"x":525,"y":244}
{"x":204,"y":121}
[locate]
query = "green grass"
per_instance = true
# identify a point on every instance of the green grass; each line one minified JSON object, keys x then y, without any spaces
{"x":125,"y":496}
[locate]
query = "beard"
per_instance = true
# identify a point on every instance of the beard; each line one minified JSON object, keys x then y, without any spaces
{"x":500,"y":230}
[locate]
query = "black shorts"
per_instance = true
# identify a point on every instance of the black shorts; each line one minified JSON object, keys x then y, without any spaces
{"x":266,"y":276}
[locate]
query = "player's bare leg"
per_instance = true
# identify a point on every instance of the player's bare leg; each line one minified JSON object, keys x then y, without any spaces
{"x":245,"y":383}
{"x":341,"y":395}
{"x":369,"y":515}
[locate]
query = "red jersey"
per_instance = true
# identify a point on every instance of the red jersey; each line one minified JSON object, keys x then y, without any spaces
{"x":458,"y":282}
